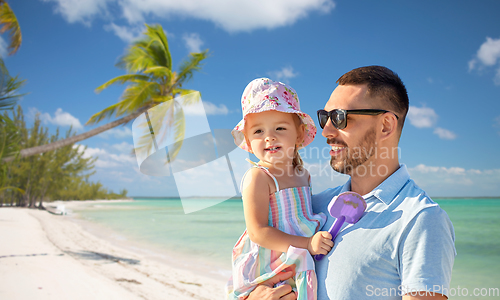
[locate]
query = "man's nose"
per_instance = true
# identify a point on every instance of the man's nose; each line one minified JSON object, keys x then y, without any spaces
{"x":329,"y":130}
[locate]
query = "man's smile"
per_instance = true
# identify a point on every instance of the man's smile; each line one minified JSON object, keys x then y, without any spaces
{"x":336,"y":149}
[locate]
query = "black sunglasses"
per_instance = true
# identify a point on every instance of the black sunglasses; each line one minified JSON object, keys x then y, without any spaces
{"x":339,"y":116}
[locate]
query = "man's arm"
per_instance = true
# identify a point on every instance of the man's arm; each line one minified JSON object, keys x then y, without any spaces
{"x":426,"y":255}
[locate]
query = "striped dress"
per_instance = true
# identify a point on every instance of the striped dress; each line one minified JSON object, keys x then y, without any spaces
{"x":290,"y":211}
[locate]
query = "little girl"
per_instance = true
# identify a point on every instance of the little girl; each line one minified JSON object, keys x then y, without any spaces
{"x":281,"y":227}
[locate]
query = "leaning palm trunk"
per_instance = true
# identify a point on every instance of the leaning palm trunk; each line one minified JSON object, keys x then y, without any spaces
{"x":77,"y":138}
{"x":151,"y":82}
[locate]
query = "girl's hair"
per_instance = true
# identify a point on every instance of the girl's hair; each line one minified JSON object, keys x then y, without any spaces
{"x":297,"y":160}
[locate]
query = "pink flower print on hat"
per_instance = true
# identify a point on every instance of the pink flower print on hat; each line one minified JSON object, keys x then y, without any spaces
{"x":264,"y":94}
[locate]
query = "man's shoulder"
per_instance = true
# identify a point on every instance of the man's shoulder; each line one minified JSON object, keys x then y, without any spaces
{"x":415,"y":201}
{"x":412,"y":195}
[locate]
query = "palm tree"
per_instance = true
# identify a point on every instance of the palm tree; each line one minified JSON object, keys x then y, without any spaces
{"x":9,"y":136}
{"x":8,"y":21}
{"x":151,"y":81}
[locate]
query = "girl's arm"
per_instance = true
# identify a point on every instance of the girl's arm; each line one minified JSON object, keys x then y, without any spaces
{"x":256,"y":191}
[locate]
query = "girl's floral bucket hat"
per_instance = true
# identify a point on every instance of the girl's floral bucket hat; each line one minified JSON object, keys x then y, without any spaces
{"x":264,"y":94}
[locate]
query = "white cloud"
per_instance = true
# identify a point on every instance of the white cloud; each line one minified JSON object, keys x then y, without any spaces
{"x":456,"y":181}
{"x":193,"y":42}
{"x":80,"y":11}
{"x":283,"y":75}
{"x":126,"y":34}
{"x":487,"y":56}
{"x":3,"y":47}
{"x":231,"y":15}
{"x":426,"y":117}
{"x":421,"y":168}
{"x":489,"y":52}
{"x":208,"y":108}
{"x":117,"y":133}
{"x":90,"y":152}
{"x":445,"y":134}
{"x":123,"y":147}
{"x":422,"y":117}
{"x":213,"y":109}
{"x":106,"y":159}
{"x":60,"y":118}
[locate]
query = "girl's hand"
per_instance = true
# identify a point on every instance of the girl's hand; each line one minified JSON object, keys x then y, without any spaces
{"x":320,"y":243}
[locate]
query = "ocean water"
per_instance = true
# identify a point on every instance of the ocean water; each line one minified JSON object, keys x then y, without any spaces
{"x":205,"y":236}
{"x":208,"y":235}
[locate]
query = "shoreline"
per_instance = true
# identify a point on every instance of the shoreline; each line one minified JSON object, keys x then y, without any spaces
{"x":69,"y":258}
{"x":203,"y":267}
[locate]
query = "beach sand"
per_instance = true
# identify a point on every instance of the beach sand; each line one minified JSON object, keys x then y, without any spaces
{"x":45,"y":256}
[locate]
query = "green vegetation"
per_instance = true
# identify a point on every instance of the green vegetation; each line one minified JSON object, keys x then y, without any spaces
{"x":8,"y":22}
{"x":36,"y":166}
{"x":150,"y":80}
{"x":62,"y":174}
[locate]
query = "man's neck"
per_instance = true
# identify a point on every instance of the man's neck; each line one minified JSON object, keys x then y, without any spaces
{"x":368,"y":176}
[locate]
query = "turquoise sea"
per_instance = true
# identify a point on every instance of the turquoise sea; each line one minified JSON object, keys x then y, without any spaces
{"x":207,"y":236}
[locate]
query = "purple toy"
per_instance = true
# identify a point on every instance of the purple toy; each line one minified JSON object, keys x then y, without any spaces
{"x":346,"y":207}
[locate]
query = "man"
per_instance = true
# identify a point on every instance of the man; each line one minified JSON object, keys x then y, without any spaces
{"x":403,"y":246}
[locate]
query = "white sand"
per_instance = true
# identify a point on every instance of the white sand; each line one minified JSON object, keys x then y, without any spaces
{"x":44,"y":256}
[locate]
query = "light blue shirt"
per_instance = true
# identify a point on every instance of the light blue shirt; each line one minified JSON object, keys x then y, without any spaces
{"x":403,"y":243}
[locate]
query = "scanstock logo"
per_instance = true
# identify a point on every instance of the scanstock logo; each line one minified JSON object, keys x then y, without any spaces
{"x":206,"y":164}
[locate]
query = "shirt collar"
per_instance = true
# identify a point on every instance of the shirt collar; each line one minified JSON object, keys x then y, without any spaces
{"x":388,"y":189}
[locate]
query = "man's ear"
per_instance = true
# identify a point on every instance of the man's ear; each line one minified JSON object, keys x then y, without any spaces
{"x":389,"y":125}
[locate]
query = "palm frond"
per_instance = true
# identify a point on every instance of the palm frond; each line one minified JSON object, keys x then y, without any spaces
{"x":161,"y":99}
{"x":179,"y":128}
{"x":8,"y":96}
{"x":8,"y":87}
{"x":159,"y":42}
{"x":8,"y":22}
{"x":9,"y":137}
{"x":138,"y":95}
{"x":121,"y":80}
{"x":152,"y":50}
{"x":134,"y":97}
{"x":136,"y":57}
{"x":105,"y":113}
{"x":160,"y":120}
{"x":189,"y":66}
{"x":189,"y":97}
{"x":159,"y":71}
{"x":12,"y":188}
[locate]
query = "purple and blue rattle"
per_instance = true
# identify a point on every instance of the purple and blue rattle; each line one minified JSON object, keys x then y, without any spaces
{"x":346,"y":207}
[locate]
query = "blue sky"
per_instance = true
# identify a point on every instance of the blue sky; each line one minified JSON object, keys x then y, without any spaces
{"x":446,"y":52}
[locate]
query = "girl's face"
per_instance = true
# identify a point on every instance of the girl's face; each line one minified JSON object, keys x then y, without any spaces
{"x":273,"y":135}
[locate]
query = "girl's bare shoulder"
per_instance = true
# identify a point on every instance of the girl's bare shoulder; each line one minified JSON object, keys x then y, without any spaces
{"x":258,"y":178}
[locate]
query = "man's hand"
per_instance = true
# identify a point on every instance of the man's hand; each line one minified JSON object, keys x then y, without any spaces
{"x":435,"y":297}
{"x":320,"y":243}
{"x":267,"y":291}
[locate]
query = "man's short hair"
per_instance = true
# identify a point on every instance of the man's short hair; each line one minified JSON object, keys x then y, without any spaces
{"x":383,"y":84}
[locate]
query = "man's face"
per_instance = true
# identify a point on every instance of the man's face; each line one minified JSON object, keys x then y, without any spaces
{"x":354,"y":145}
